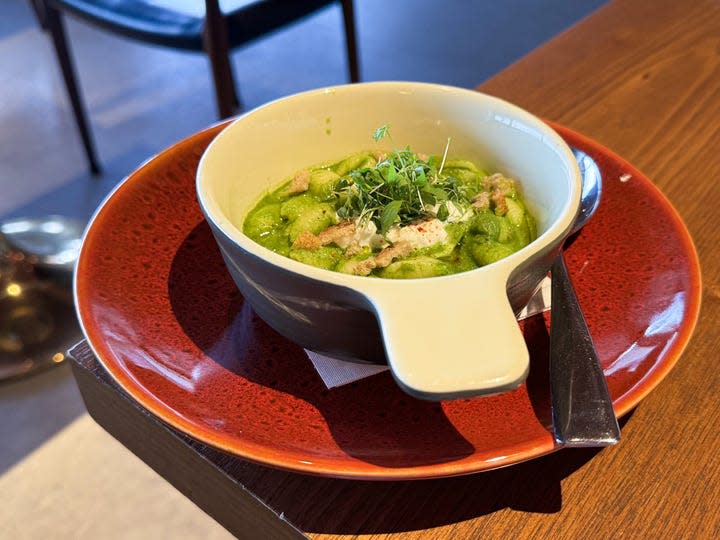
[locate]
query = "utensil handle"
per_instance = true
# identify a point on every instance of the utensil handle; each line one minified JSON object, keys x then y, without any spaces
{"x":448,"y":338}
{"x":583,"y":414}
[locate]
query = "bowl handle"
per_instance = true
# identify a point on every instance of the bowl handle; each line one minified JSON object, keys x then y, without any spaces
{"x":452,"y":337}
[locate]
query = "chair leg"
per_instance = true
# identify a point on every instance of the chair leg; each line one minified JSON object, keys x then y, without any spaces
{"x":39,"y":10}
{"x":351,"y":40}
{"x":53,"y":22}
{"x":215,"y":42}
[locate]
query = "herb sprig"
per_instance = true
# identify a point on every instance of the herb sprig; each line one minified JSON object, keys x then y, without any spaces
{"x":399,"y":189}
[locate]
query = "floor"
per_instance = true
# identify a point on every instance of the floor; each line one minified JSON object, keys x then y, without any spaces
{"x":141,"y":99}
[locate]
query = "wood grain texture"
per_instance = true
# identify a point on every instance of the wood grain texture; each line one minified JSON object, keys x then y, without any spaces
{"x":642,"y":78}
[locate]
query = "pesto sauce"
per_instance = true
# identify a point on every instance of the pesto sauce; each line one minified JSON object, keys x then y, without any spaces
{"x":486,"y":228}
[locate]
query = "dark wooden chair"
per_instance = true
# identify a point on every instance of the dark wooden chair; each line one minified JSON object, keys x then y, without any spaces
{"x":216,"y":33}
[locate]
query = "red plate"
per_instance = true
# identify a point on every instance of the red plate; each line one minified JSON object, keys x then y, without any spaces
{"x":166,"y":321}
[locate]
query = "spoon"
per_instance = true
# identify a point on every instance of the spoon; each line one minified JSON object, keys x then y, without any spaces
{"x":582,"y":408}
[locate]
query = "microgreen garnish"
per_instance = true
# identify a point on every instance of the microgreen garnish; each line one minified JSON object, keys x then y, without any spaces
{"x":447,"y":145}
{"x":381,"y":132}
{"x":399,"y":189}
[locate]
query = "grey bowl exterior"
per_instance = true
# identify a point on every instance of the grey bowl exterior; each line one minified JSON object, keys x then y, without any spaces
{"x":332,"y":319}
{"x":323,"y":317}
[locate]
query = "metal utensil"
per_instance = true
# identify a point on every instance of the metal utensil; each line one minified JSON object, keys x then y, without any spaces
{"x":37,"y":317}
{"x":51,"y":244}
{"x":582,"y":408}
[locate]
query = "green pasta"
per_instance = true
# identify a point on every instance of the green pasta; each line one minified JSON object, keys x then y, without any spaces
{"x":394,"y":214}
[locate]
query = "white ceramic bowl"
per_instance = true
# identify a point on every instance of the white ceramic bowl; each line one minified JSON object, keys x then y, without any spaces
{"x":443,"y":337}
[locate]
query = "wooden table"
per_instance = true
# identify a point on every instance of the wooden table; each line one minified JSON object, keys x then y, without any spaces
{"x":643,"y":79}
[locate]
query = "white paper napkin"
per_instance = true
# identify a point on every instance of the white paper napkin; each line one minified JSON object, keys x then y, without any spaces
{"x":336,"y":372}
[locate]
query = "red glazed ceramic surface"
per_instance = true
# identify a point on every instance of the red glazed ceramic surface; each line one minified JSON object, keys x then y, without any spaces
{"x":165,"y":319}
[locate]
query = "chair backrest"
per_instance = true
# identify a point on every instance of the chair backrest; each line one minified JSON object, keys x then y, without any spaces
{"x":140,"y":20}
{"x":179,"y":24}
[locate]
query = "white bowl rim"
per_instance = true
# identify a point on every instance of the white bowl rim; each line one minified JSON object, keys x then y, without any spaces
{"x":558,"y":228}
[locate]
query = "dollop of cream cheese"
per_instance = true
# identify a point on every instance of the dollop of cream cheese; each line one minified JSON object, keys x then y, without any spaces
{"x":419,"y":235}
{"x":365,"y":235}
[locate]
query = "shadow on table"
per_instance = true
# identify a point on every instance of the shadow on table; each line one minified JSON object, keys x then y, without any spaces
{"x":352,"y":507}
